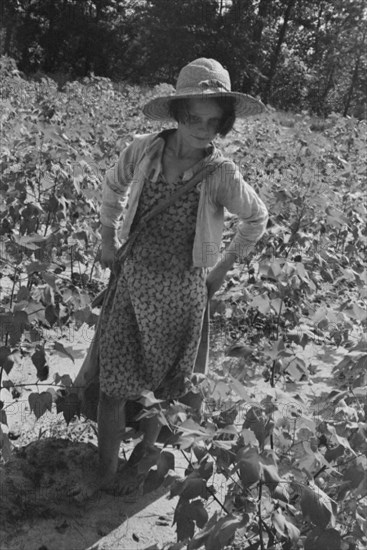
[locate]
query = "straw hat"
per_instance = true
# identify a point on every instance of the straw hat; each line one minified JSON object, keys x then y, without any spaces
{"x":203,"y":78}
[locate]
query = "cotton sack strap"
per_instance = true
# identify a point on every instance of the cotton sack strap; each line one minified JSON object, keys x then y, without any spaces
{"x":124,"y":250}
{"x":163,"y":205}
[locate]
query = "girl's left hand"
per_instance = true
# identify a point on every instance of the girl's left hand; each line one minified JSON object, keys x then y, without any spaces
{"x":216,"y":276}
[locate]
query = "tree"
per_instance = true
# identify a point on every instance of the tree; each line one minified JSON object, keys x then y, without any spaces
{"x":275,"y":56}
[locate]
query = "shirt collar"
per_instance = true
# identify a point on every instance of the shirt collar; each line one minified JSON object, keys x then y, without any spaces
{"x":155,"y":150}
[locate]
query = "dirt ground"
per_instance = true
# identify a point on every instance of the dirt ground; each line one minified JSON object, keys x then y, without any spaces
{"x":36,"y":511}
{"x":49,"y":458}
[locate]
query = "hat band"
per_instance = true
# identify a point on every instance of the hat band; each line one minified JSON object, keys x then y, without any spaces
{"x":213,"y":86}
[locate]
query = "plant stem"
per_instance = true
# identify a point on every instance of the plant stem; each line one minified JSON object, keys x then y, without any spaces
{"x":94,"y":263}
{"x":261,"y":537}
{"x":272,"y":383}
{"x":324,"y":467}
{"x":71,"y":263}
{"x":209,"y":491}
{"x":279,"y":314}
{"x":13,"y":288}
{"x":47,"y":223}
{"x":37,"y":384}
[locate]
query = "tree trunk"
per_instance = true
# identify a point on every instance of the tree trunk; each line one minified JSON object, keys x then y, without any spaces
{"x":275,"y":56}
{"x":248,"y":81}
{"x":8,"y":37}
{"x":354,"y":77}
{"x":317,"y":34}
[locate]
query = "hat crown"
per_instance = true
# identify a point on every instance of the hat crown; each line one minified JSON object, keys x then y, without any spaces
{"x":203,"y":78}
{"x":203,"y":73}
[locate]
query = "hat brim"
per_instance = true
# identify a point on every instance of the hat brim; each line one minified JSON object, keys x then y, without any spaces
{"x":245,"y":105}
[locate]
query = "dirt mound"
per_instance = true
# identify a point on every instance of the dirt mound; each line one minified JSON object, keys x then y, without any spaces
{"x":38,"y":513}
{"x":36,"y":482}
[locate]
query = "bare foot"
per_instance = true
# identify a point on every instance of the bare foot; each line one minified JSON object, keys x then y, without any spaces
{"x":126,"y":482}
{"x":87,"y":488}
{"x":131,"y":475}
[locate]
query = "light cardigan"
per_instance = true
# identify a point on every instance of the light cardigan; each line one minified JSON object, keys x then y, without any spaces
{"x":223,"y":188}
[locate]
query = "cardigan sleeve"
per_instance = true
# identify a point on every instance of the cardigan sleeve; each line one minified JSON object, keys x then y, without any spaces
{"x":116,"y":184}
{"x":239,"y":198}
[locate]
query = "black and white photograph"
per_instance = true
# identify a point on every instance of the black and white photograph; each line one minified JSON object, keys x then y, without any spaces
{"x":183,"y":277}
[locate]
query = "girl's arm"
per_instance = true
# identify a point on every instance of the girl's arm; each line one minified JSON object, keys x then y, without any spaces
{"x":231,"y":191}
{"x":115,"y":186}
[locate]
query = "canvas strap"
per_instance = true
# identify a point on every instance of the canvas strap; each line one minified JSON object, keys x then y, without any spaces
{"x":124,"y":250}
{"x":205,"y":171}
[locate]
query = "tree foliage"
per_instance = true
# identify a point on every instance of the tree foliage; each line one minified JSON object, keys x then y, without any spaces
{"x":292,"y":53}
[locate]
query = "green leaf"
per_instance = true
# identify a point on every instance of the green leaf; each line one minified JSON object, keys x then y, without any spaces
{"x":23,"y":294}
{"x":166,"y":462}
{"x":85,"y":315}
{"x":39,"y":361}
{"x":40,"y":403}
{"x":239,"y":350}
{"x":194,"y":487}
{"x":297,"y":369}
{"x":317,"y":507}
{"x":3,"y":418}
{"x":250,"y":467}
{"x":153,"y":481}
{"x":284,"y":528}
{"x":270,"y":476}
{"x":193,"y":399}
{"x":69,"y":405}
{"x":190,"y":427}
{"x":176,"y":487}
{"x":199,"y":449}
{"x":355,"y":476}
{"x":280,"y":492}
{"x":64,"y":380}
{"x":206,"y":469}
{"x":59,"y":347}
{"x":323,"y":539}
{"x":257,"y":421}
{"x":51,"y":314}
{"x":223,"y":532}
{"x":200,"y":538}
{"x":18,"y":324}
{"x":198,"y":513}
{"x":240,"y":389}
{"x":148,"y":399}
{"x":261,"y":303}
{"x":6,"y":361}
{"x":149,"y":459}
{"x":185,"y":525}
{"x":187,"y":514}
{"x":5,"y":446}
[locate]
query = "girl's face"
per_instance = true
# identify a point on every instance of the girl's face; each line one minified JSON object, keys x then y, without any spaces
{"x":201,"y":123}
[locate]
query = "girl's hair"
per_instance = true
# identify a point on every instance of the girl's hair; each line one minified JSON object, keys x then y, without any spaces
{"x":178,"y":109}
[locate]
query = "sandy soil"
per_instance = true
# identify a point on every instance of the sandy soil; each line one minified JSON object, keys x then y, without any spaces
{"x":49,"y":458}
{"x":36,"y":512}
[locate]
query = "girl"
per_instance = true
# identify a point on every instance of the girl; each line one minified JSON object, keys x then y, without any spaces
{"x":152,"y":316}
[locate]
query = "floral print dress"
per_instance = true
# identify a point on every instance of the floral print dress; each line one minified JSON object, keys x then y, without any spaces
{"x":153,"y":312}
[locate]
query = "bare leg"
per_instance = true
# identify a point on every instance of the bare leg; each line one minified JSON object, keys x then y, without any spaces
{"x":111,"y":426}
{"x":151,"y":428}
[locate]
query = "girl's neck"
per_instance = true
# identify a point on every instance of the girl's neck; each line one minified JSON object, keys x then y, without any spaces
{"x":181,"y":149}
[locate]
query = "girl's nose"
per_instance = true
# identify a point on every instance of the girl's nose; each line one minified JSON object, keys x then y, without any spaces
{"x":204,"y":128}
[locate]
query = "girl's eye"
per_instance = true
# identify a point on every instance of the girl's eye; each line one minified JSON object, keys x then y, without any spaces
{"x":193,"y":119}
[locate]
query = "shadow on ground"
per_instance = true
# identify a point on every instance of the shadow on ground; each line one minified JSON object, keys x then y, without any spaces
{"x":37,"y":513}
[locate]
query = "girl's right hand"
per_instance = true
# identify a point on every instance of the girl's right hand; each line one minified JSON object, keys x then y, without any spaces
{"x":108,"y":253}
